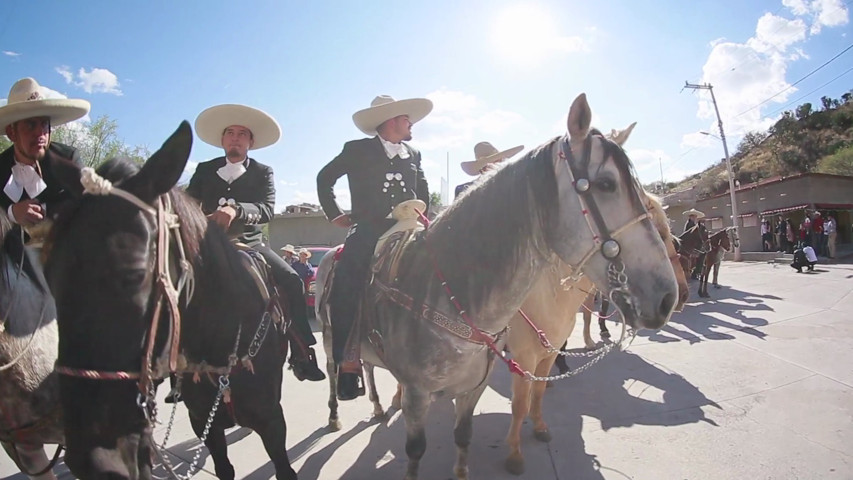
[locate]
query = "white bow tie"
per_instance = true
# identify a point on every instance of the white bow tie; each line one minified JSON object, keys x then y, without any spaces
{"x":231,"y":171}
{"x":24,"y":177}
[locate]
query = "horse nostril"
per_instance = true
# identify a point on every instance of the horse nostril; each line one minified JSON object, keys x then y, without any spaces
{"x":667,"y":304}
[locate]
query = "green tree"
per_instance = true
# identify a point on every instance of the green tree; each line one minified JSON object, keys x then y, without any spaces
{"x":4,"y":142}
{"x":840,"y":163}
{"x":434,"y":198}
{"x":98,"y":141}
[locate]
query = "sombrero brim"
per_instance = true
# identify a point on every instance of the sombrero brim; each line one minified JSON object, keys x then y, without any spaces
{"x":212,"y":122}
{"x":369,"y":119}
{"x":473,"y":167}
{"x":693,"y":211}
{"x":59,"y":110}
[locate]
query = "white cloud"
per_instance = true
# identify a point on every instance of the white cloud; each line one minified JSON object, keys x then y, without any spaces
{"x":189,"y":170}
{"x":285,"y":183}
{"x":96,"y":80}
{"x":744,"y":74}
{"x":10,"y":53}
{"x":459,"y":120}
{"x":696,"y":140}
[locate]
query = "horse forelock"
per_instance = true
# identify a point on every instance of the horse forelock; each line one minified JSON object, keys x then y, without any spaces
{"x":514,"y":205}
{"x":627,"y":174}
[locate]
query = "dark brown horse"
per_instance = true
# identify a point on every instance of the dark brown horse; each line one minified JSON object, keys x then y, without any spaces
{"x":720,"y":243}
{"x":103,"y":257}
{"x":691,"y":245}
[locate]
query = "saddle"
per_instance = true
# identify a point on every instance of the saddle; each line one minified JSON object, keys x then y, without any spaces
{"x":384,"y":267}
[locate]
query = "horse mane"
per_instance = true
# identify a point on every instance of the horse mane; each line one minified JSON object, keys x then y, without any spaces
{"x":516,"y":204}
{"x":5,"y":224}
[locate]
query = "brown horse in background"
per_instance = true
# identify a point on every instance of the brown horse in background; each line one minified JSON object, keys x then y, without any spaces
{"x":720,"y":244}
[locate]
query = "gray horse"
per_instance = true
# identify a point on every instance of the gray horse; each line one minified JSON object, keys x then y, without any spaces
{"x":438,"y":324}
{"x":29,"y":392}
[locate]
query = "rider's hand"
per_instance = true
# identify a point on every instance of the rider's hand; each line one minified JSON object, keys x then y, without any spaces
{"x":224,"y":216}
{"x":342,"y":221}
{"x":28,"y":212}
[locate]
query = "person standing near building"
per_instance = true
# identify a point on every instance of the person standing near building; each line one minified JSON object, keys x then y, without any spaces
{"x":830,"y":230}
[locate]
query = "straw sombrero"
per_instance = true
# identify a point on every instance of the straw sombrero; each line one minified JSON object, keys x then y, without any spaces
{"x":693,"y":211}
{"x":288,"y":248}
{"x":305,"y":252}
{"x":384,"y":108}
{"x":485,"y":154}
{"x":212,"y":122}
{"x":28,"y":100}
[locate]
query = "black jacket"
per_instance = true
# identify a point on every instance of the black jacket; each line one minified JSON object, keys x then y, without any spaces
{"x":52,"y":196}
{"x":377,"y":184}
{"x":253,"y":196}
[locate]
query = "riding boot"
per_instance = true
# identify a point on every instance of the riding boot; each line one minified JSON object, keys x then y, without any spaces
{"x":305,"y":366}
{"x":350,"y":385}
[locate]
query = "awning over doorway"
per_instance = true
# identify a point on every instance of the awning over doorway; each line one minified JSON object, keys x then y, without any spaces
{"x":785,"y":209}
{"x":834,"y":206}
{"x":746,"y":214}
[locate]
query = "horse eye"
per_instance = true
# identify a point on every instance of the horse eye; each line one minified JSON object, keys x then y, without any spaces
{"x":606,"y":184}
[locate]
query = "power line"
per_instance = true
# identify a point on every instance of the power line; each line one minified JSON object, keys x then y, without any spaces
{"x":798,"y":81}
{"x":807,"y":94}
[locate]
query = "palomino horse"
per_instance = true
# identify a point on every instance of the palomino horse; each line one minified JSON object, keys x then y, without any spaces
{"x":29,"y":392}
{"x":122,"y":321}
{"x":720,"y":244}
{"x":441,"y":321}
{"x":551,"y":306}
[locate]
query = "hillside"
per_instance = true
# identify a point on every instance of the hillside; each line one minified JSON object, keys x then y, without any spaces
{"x":803,"y":140}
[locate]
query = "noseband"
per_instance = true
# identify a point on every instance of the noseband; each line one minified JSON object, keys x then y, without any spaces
{"x":604,"y":239}
{"x":166,"y":294}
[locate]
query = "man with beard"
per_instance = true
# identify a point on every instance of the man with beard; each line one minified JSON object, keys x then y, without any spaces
{"x":238,"y":194}
{"x":382,"y":171}
{"x":30,"y":192}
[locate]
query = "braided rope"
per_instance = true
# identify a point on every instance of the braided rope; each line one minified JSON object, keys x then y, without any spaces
{"x":96,"y":374}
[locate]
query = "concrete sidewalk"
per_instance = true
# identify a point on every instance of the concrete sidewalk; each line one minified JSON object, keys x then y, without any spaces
{"x":755,"y":383}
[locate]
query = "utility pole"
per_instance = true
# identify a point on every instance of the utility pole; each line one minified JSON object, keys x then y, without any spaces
{"x":710,"y":88}
{"x":662,"y":188}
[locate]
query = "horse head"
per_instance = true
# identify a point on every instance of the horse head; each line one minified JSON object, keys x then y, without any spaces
{"x":618,"y":246}
{"x":102,"y":272}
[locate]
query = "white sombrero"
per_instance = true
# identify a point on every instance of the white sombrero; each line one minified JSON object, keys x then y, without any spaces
{"x":693,"y":211}
{"x":384,"y":108}
{"x":212,"y":122}
{"x":28,"y":100}
{"x":288,"y":248}
{"x":485,"y":154}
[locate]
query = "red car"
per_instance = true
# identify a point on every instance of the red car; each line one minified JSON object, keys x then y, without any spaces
{"x":317,"y":254}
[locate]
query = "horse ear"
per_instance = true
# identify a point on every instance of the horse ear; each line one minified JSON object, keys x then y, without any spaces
{"x":163,"y":170}
{"x":580,"y":117}
{"x":67,"y":173}
{"x":620,"y":137}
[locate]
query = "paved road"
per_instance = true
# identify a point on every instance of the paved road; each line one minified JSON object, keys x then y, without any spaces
{"x":756,"y":383}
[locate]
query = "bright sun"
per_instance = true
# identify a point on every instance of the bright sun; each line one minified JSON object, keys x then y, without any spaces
{"x":524,"y":33}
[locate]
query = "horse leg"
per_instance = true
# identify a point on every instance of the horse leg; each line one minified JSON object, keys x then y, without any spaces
{"x":216,"y":445}
{"x":415,"y":407}
{"x":514,"y":462}
{"x":331,"y":371}
{"x":273,"y":433}
{"x":602,"y":326}
{"x":32,"y":459}
{"x":464,"y":429}
{"x":588,"y":304}
{"x":716,"y":272}
{"x":397,"y":401}
{"x":378,"y":411}
{"x":540,"y":428}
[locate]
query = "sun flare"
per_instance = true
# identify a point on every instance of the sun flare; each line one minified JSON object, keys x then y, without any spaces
{"x":524,"y":33}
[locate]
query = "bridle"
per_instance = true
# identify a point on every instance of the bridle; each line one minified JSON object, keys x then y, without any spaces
{"x":604,"y":239}
{"x":166,"y":292}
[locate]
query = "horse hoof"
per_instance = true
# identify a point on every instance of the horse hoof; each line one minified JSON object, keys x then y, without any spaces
{"x":514,"y":465}
{"x":335,"y":425}
{"x":542,"y":436}
{"x":461,"y":473}
{"x":380,"y":416}
{"x":716,"y":286}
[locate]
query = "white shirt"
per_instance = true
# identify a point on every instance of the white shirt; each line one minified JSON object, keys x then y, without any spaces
{"x":23,"y":178}
{"x":829,"y":226}
{"x":232,"y":171}
{"x":810,"y":255}
{"x":394,"y":149}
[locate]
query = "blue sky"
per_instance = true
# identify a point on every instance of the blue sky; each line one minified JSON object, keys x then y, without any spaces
{"x":500,"y":71}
